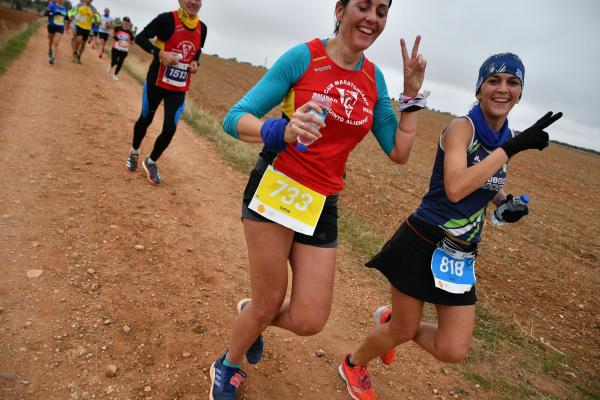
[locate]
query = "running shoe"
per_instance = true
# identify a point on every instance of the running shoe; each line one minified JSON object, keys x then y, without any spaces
{"x":132,"y":162}
{"x":115,"y":78}
{"x":382,"y":315}
{"x":151,"y":171}
{"x":78,"y":59}
{"x":255,"y":352}
{"x":357,"y":381}
{"x":52,"y":60}
{"x":225,"y":381}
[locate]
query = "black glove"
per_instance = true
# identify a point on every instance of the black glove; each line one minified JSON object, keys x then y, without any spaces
{"x":533,"y":137}
{"x":511,"y":215}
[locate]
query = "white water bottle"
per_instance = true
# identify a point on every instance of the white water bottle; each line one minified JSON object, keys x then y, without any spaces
{"x":325,"y":103}
{"x":515,"y":204}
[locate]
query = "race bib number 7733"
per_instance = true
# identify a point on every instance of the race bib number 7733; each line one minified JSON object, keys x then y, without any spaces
{"x":287,"y":202}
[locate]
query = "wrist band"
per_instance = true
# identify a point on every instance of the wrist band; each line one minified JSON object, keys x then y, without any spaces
{"x":416,"y":103}
{"x":272,"y":133}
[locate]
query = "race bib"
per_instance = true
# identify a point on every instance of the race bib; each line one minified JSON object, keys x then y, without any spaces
{"x":287,"y":202}
{"x":59,"y":20}
{"x":176,"y":75}
{"x":453,"y":269}
{"x":123,"y":45}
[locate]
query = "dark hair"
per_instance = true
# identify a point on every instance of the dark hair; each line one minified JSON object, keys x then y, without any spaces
{"x":344,"y":3}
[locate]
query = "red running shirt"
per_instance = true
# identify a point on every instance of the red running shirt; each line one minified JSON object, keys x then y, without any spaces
{"x":354,"y":94}
{"x":185,"y":42}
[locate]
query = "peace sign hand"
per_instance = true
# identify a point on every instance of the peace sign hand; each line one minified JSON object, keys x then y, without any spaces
{"x":414,"y":68}
{"x":534,"y":137}
{"x":545,"y":121}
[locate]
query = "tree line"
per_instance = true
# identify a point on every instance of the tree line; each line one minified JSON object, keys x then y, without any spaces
{"x":37,"y":5}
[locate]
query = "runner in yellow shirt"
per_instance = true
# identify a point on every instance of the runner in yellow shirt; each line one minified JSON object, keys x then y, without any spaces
{"x":85,"y":17}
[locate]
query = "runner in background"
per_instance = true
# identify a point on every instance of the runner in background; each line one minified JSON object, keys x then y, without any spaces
{"x":106,"y":27}
{"x":289,"y":207}
{"x":84,"y":17}
{"x":95,"y":30}
{"x":57,"y":18}
{"x":180,"y":36}
{"x":431,"y":257}
{"x":123,"y":39}
{"x":118,"y":23}
{"x":72,"y":14}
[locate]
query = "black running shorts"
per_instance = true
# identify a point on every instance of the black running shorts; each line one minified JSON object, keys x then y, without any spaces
{"x":325,"y":234}
{"x":52,"y":29}
{"x":84,"y":33}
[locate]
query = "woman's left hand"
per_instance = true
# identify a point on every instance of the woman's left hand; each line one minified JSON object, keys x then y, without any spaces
{"x":414,"y":68}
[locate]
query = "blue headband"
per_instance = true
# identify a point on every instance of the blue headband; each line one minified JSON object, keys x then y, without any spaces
{"x":505,"y":62}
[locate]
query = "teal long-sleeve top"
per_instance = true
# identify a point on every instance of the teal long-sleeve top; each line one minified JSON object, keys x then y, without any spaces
{"x":280,"y":78}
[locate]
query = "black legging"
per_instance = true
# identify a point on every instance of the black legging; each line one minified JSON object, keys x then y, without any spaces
{"x":174,"y":103}
{"x":118,"y":57}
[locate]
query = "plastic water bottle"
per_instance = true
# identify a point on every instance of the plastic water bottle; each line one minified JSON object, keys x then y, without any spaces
{"x":325,"y":103}
{"x":516,"y":204}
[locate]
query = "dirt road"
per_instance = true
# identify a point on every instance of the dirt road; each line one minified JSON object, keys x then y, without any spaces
{"x":100,"y":268}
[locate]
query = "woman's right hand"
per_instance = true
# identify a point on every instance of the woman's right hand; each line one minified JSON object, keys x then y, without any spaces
{"x":169,"y":57}
{"x":303,"y":124}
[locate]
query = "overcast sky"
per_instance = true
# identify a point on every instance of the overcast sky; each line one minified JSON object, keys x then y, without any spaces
{"x":558,"y":41}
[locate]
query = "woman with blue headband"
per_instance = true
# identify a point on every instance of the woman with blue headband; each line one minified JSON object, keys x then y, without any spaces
{"x":431,"y":257}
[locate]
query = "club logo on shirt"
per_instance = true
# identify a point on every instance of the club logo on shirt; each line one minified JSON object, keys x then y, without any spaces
{"x":187,"y":48}
{"x":350,"y":97}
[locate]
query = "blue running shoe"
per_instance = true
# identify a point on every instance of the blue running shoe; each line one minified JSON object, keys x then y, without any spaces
{"x":225,"y":381}
{"x":255,"y":352}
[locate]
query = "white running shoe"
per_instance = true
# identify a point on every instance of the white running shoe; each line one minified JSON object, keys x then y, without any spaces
{"x":115,"y":78}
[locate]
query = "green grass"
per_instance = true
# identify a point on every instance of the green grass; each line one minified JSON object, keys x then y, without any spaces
{"x":363,"y":239}
{"x":480,"y":380}
{"x":241,"y":156}
{"x":15,"y":46}
{"x":492,"y":329}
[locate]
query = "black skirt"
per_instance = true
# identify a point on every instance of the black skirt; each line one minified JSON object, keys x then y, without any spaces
{"x":405,"y":260}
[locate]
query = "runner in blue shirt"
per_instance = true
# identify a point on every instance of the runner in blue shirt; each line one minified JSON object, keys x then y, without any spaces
{"x":57,"y":17}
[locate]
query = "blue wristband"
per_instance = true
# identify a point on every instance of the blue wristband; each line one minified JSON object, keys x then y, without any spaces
{"x":272,"y":133}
